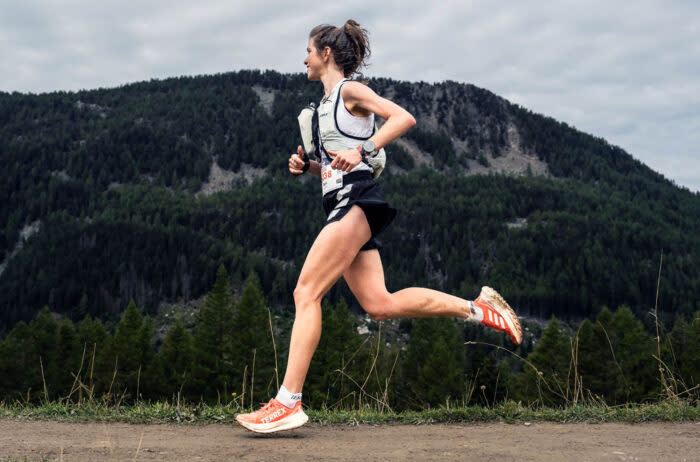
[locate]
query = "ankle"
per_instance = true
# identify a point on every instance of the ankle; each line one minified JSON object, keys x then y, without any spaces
{"x":288,"y":398}
{"x":474,"y":312}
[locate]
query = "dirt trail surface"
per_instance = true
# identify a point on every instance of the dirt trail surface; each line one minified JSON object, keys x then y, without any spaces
{"x":40,"y":440}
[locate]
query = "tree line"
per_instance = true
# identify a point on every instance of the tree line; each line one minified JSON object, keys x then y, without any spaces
{"x":234,"y":350}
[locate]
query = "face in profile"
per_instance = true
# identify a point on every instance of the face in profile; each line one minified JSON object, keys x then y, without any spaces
{"x":313,"y":62}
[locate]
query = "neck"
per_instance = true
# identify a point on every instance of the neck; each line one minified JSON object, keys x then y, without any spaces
{"x":330,"y":79}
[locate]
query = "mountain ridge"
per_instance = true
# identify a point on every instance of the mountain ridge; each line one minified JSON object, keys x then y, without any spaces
{"x":79,"y":160}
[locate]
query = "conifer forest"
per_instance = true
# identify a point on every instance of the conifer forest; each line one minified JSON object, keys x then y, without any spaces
{"x":151,"y":237}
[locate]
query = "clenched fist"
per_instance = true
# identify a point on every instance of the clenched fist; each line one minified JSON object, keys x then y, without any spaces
{"x":299,"y":162}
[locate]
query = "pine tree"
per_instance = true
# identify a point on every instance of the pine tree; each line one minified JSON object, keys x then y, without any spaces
{"x":609,"y":375}
{"x":634,"y":351}
{"x":130,"y":349}
{"x":434,"y":366}
{"x":551,"y":358}
{"x":176,"y":356}
{"x":253,"y":342}
{"x":214,"y":353}
{"x":16,"y":377}
{"x":150,"y":378}
{"x":68,"y":361}
{"x":487,"y":367}
{"x":95,"y":343}
{"x":43,"y":331}
{"x":683,"y":352}
{"x":594,"y":361}
{"x":494,"y":380}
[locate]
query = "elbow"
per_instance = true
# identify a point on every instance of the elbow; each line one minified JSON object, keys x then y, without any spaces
{"x":410,"y":121}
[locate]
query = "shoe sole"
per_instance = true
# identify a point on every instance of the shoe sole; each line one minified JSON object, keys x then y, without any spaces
{"x":293,"y":421}
{"x":504,"y":309}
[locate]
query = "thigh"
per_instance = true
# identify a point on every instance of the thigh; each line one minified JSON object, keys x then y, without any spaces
{"x":365,"y":277}
{"x":332,"y":252}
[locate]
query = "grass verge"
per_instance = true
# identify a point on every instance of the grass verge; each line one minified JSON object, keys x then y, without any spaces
{"x":509,"y":412}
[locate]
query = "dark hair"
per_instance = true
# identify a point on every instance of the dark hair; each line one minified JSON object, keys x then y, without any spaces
{"x":349,"y":44}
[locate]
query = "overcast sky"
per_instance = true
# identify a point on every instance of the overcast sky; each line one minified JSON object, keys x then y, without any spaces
{"x":626,"y":71}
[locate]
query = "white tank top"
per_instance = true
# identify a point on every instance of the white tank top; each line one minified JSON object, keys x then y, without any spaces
{"x":340,"y":130}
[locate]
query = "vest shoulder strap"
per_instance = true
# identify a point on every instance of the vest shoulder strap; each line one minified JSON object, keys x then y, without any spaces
{"x":314,"y":134}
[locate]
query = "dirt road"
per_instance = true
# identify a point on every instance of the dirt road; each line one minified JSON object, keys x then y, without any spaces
{"x":38,"y":440}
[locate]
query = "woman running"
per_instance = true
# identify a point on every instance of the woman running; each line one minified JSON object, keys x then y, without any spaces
{"x":356,"y":213}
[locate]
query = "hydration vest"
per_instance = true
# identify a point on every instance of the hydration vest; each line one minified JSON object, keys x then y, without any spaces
{"x":320,"y":131}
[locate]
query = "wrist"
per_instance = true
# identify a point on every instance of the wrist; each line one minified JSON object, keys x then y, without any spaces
{"x":315,"y":168}
{"x":362,"y":152}
{"x":367,"y":148}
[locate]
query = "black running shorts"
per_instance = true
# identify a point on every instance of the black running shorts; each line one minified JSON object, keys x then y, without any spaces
{"x":360,"y":189}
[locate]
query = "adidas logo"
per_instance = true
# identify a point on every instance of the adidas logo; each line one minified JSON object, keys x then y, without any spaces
{"x":496,"y":319}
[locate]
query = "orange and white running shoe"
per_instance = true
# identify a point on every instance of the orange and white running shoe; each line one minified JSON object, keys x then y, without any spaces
{"x":497,"y":314}
{"x":273,"y":417}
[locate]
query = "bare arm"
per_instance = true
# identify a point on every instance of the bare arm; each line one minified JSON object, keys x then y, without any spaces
{"x":361,"y":101}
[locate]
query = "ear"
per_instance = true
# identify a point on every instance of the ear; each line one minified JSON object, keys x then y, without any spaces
{"x":326,"y":52}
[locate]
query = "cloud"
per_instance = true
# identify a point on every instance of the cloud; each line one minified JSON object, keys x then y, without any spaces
{"x":626,"y":71}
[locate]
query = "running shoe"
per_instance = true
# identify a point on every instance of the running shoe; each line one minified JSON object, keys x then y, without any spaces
{"x":273,"y":417}
{"x":498,"y":314}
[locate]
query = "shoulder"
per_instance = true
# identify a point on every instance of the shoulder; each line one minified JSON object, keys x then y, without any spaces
{"x":357,"y":96}
{"x":356,"y":90}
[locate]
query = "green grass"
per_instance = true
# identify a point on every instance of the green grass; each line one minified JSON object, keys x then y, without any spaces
{"x":509,"y":412}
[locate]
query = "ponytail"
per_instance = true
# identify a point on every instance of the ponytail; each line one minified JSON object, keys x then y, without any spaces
{"x":349,"y":45}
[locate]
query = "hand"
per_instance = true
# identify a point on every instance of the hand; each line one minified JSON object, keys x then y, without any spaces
{"x":345,"y":160}
{"x":297,"y":162}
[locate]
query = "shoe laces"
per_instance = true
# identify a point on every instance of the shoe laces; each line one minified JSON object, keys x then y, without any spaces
{"x":266,"y":405}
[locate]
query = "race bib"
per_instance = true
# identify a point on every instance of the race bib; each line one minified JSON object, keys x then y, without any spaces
{"x":331,"y":179}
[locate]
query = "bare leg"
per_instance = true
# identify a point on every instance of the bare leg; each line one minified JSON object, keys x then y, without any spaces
{"x":365,"y":276}
{"x":335,"y":248}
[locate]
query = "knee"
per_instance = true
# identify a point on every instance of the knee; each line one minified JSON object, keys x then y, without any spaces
{"x":378,"y":309}
{"x":377,"y":315}
{"x":303,"y":297}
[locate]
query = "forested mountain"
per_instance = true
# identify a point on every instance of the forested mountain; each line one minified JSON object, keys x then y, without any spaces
{"x":141,"y":192}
